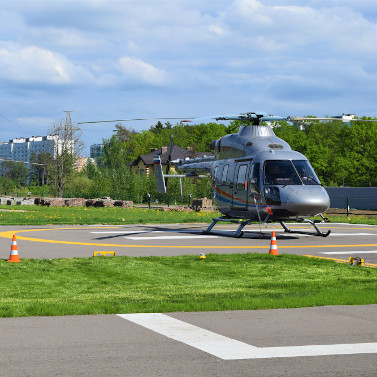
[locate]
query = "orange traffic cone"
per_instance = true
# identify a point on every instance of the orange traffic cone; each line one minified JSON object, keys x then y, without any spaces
{"x":273,"y":245}
{"x":14,"y":251}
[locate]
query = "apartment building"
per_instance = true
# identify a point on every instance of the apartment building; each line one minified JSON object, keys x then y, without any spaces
{"x":96,"y":150}
{"x":21,"y":149}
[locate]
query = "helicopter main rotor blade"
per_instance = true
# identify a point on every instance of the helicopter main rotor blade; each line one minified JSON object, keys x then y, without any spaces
{"x":253,"y":117}
{"x":129,"y":120}
{"x":329,"y":118}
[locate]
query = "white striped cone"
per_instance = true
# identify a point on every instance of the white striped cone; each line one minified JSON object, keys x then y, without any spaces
{"x":273,"y":245}
{"x":14,"y":251}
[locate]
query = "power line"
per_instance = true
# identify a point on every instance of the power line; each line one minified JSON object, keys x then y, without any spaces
{"x":17,"y":125}
{"x":22,"y":111}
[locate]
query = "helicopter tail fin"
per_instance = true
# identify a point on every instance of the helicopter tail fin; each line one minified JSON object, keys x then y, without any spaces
{"x":159,"y":175}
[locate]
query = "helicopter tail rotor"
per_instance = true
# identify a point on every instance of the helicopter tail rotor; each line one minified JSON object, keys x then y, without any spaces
{"x":168,"y":162}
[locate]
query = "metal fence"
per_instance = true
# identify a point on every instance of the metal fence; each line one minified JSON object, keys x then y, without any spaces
{"x":353,"y":197}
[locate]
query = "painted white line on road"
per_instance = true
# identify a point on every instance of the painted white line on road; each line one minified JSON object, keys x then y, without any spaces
{"x":352,"y":234}
{"x":127,"y":232}
{"x":230,"y":349}
{"x":349,"y":224}
{"x":349,"y":252}
{"x":200,"y":235}
{"x":204,"y":340}
{"x":170,"y":237}
{"x":147,"y":231}
{"x":105,"y":226}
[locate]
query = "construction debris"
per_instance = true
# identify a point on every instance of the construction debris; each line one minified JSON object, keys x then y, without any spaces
{"x":66,"y":202}
{"x":203,"y":203}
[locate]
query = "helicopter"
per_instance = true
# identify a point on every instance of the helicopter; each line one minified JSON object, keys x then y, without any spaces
{"x":256,"y":176}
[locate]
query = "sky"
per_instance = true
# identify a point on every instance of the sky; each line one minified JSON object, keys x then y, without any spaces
{"x":107,"y":59}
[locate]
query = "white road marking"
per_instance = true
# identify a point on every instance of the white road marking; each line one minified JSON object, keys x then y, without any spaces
{"x":352,"y":234}
{"x":349,"y":252}
{"x":170,"y":237}
{"x":230,"y":349}
{"x":104,"y":225}
{"x":196,"y":234}
{"x":127,"y":231}
{"x":349,"y":224}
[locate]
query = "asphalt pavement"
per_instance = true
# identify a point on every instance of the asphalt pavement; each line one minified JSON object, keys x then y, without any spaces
{"x":109,"y":345}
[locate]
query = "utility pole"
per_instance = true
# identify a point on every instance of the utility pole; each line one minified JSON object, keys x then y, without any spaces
{"x":68,"y":132}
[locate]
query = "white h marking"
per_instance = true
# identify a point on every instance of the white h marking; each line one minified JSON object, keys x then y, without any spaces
{"x":230,"y":349}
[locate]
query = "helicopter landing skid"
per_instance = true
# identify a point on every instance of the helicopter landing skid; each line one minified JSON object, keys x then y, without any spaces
{"x":238,"y":233}
{"x":311,"y":222}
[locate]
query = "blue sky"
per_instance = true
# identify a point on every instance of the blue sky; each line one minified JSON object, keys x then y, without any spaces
{"x":175,"y":58}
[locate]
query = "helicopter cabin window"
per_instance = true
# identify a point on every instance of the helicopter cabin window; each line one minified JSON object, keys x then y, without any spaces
{"x":280,"y":172}
{"x":225,"y":173}
{"x":241,"y":177}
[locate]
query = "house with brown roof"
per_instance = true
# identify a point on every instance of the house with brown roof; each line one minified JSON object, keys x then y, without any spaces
{"x":144,"y":164}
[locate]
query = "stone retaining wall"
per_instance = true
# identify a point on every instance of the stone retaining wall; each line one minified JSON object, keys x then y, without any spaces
{"x":68,"y":202}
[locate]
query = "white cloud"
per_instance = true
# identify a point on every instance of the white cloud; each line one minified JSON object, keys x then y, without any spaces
{"x":73,"y":38}
{"x":302,"y":28}
{"x":218,"y":30}
{"x":135,"y":69}
{"x":39,"y":65}
{"x":114,"y":59}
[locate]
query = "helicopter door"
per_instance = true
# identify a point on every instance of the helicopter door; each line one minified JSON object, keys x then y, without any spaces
{"x":241,"y":187}
{"x":223,"y":185}
{"x":254,"y":184}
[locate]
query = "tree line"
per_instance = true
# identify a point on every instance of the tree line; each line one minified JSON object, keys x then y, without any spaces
{"x":340,"y":154}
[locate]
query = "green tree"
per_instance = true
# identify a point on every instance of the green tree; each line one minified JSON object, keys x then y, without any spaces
{"x":293,"y":135}
{"x":358,"y":156}
{"x":7,"y":185}
{"x":16,"y":172}
{"x":123,"y":133}
{"x":114,"y":168}
{"x":81,"y":184}
{"x":91,"y":169}
{"x":39,"y":168}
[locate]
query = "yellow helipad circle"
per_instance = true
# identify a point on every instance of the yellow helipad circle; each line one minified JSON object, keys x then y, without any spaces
{"x":9,"y":234}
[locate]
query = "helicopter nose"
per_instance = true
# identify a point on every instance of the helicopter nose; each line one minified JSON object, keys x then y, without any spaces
{"x":308,"y":201}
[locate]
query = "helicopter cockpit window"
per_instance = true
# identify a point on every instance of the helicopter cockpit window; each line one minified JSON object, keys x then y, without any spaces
{"x":241,"y":177}
{"x":280,"y":172}
{"x":225,"y":173}
{"x":306,"y":172}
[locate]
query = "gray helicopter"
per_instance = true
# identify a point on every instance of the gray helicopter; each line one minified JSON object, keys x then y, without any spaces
{"x":256,"y":176}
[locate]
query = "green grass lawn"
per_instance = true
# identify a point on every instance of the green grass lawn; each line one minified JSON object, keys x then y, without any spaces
{"x":39,"y":215}
{"x":104,"y":285}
